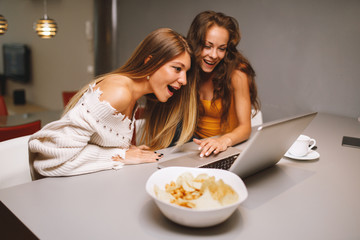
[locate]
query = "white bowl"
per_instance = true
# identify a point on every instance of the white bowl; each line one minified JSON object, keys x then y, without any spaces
{"x":193,"y":217}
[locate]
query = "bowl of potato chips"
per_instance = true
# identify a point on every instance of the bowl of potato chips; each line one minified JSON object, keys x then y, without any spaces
{"x":196,"y":197}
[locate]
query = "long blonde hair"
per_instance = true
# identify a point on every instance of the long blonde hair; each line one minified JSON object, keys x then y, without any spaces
{"x":161,"y":119}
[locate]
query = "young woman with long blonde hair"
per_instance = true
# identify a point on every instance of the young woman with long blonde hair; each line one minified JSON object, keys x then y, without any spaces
{"x":96,"y":129}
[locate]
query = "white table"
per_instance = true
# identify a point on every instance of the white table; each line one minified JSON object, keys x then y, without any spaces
{"x":18,"y":119}
{"x":293,"y":200}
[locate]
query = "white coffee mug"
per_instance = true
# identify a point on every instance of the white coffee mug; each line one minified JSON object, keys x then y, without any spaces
{"x":302,"y":146}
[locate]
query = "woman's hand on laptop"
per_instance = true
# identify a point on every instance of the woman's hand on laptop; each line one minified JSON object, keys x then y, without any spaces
{"x":212,"y":145}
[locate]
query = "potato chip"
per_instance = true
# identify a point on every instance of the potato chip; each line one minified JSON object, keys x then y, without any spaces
{"x":201,"y":192}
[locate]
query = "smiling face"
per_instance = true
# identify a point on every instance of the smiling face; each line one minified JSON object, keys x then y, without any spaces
{"x":214,"y":49}
{"x":170,"y":77}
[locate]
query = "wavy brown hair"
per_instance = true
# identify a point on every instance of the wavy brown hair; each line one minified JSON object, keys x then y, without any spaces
{"x":161,"y":119}
{"x":233,"y":59}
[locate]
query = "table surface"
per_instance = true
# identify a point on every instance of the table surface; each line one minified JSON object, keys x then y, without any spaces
{"x":21,"y":108}
{"x":316,"y":199}
{"x":22,"y":118}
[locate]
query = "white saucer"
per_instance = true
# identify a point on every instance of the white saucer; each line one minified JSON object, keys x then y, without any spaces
{"x":310,"y":156}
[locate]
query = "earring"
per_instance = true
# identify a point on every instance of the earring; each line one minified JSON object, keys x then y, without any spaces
{"x":148,"y":77}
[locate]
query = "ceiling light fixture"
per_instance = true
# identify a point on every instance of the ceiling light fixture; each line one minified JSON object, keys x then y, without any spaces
{"x":3,"y":25}
{"x":46,"y":27}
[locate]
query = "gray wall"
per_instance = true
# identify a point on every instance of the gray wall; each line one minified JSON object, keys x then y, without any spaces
{"x":58,"y":64}
{"x":306,"y":53}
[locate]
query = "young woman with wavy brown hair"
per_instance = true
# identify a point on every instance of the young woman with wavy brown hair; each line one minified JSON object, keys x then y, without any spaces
{"x":225,"y":83}
{"x":96,"y":129}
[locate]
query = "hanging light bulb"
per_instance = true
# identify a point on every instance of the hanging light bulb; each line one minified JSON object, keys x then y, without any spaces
{"x":3,"y":25}
{"x":46,"y":27}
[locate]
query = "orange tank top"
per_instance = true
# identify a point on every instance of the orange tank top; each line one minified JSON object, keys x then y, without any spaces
{"x":209,"y":122}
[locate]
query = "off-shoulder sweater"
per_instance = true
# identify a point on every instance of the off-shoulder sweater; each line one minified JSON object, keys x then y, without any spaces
{"x":82,"y":141}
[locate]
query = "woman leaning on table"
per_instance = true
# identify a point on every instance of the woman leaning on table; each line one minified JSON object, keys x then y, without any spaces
{"x":225,"y":83}
{"x":95,"y":131}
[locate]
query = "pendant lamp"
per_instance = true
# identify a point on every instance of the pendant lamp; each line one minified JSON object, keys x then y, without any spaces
{"x":46,"y":27}
{"x":3,"y":25}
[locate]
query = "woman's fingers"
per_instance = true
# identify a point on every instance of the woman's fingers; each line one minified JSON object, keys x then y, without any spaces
{"x":198,"y":142}
{"x":211,"y":145}
{"x":138,"y":155}
{"x":210,"y":150}
{"x":144,"y":147}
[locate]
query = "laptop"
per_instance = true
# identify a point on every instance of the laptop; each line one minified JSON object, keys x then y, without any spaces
{"x":265,"y":148}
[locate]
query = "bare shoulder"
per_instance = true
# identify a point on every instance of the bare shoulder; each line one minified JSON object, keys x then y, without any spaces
{"x":116,"y":91}
{"x":239,"y":79}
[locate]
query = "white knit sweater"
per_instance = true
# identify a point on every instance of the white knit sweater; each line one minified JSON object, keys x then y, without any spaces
{"x":82,"y":141}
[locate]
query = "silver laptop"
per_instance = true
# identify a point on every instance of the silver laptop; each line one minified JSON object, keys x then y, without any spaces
{"x":264,"y":149}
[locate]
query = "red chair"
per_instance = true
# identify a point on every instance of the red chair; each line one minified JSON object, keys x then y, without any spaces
{"x":3,"y":108}
{"x":10,"y":132}
{"x":67,"y":95}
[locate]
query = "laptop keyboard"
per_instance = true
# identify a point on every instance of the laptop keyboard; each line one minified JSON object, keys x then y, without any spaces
{"x":223,"y":163}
